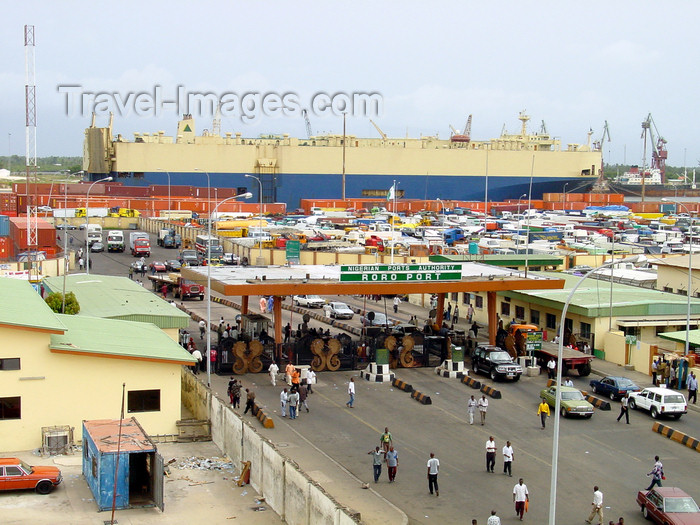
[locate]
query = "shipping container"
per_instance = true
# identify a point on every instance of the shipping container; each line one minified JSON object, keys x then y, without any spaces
{"x":5,"y":248}
{"x":4,"y":226}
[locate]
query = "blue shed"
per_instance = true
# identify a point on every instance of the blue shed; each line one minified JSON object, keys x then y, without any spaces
{"x":139,"y":481}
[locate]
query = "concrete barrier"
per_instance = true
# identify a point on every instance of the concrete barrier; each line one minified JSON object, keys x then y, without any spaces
{"x":598,"y":403}
{"x":421,"y":398}
{"x":676,"y":435}
{"x":490,"y":391}
{"x":263,"y":417}
{"x":402,"y":385}
{"x":471,"y":382}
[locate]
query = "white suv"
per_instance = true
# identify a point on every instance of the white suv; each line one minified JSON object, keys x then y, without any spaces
{"x":659,"y":402}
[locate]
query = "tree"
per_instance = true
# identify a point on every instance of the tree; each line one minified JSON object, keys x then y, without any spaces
{"x":55,"y":302}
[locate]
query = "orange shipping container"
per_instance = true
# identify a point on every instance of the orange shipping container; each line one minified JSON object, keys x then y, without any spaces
{"x":5,"y":248}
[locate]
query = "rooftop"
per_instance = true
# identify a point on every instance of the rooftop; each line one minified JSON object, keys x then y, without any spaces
{"x":117,"y":339}
{"x":23,"y":307}
{"x":106,"y":436}
{"x":679,"y":261}
{"x":118,"y":298}
{"x":679,"y":337}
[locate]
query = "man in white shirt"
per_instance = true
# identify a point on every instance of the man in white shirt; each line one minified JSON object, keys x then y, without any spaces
{"x":552,"y":368}
{"x":568,"y":382}
{"x":507,"y":458}
{"x":202,"y":328}
{"x":483,"y":407}
{"x":597,"y":506}
{"x":433,"y":469}
{"x":310,"y":379}
{"x":471,"y":408}
{"x":692,"y":388}
{"x":493,"y":519}
{"x":351,"y":392}
{"x":490,"y":454}
{"x":520,"y":497}
{"x":283,"y":402}
{"x":273,"y":373}
{"x":198,"y":356}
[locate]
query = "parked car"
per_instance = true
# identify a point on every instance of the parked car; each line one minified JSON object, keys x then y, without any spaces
{"x":65,"y":226}
{"x":659,"y":402}
{"x":173,"y":265}
{"x":614,"y":387}
{"x":230,"y":259}
{"x":15,"y":474}
{"x":337,"y":310}
{"x":496,"y":363}
{"x":189,"y":258}
{"x":668,"y":506}
{"x":310,"y":301}
{"x":157,"y":266}
{"x":97,"y":247}
{"x":378,"y":319}
{"x":572,"y":401}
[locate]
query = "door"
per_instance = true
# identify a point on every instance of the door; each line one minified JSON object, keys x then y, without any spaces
{"x":157,"y":482}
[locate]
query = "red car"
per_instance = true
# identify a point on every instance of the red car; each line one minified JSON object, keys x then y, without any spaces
{"x":669,"y":506}
{"x":15,"y":474}
{"x":158,"y":266}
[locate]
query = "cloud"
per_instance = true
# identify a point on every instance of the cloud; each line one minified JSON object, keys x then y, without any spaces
{"x":625,"y":52}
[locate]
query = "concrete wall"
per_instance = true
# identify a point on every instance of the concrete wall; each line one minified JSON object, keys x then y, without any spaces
{"x":288,"y":490}
{"x":638,"y":355}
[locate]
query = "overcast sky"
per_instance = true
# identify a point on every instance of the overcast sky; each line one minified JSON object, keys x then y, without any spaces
{"x":573,"y":65}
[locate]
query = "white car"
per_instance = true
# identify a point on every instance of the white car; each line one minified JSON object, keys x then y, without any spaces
{"x":336,"y":310}
{"x":659,"y":402}
{"x":310,"y":301}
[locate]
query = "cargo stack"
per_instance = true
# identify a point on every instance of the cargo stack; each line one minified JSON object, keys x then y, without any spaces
{"x":46,"y":237}
{"x":5,"y":243}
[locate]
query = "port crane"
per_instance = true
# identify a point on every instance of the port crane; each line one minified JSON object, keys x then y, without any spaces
{"x":464,"y":136}
{"x":598,"y":144}
{"x":305,"y":114}
{"x":384,"y":137}
{"x":659,"y":153}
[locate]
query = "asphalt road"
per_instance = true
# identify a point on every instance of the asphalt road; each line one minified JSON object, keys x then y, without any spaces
{"x":598,"y":451}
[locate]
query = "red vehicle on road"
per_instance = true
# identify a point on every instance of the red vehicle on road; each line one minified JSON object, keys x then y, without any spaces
{"x":668,"y":506}
{"x":15,"y":474}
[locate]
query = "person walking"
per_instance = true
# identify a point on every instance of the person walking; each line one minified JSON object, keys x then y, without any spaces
{"x":657,"y":474}
{"x":470,"y":313}
{"x":471,"y":408}
{"x":229,"y":390}
{"x":433,"y":469}
{"x":385,"y":440}
{"x":455,"y":316}
{"x":490,"y":454}
{"x":198,"y":356}
{"x":351,"y":393}
{"x":483,"y":407}
{"x":303,"y":392}
{"x":692,"y":388}
{"x":624,"y":408}
{"x":507,"y":459}
{"x":448,"y":312}
{"x":202,"y":328}
{"x":287,"y":332}
{"x":263,"y":305}
{"x":236,"y":392}
{"x":81,"y":263}
{"x":288,"y":371}
{"x":597,"y":504}
{"x":521,"y":497}
{"x":654,"y":371}
{"x":543,"y":412}
{"x":273,"y":370}
{"x":310,"y":380}
{"x":377,"y":457}
{"x":551,"y":368}
{"x":249,"y":400}
{"x":392,"y":463}
{"x":131,"y":273}
{"x":397,"y":302}
{"x":493,"y":519}
{"x":292,"y":402}
{"x":283,"y":402}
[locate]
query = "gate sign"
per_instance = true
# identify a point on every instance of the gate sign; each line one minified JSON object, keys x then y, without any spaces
{"x":533,"y":343}
{"x":379,"y":273}
{"x":292,"y":250}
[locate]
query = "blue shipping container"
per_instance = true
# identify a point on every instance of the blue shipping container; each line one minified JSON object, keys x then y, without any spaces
{"x":4,"y":226}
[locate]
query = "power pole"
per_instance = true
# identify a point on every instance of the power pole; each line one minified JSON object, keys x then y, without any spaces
{"x":30,"y":124}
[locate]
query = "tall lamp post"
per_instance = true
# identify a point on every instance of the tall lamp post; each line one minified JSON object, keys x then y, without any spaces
{"x":168,"y":174}
{"x":557,"y":403}
{"x":87,"y":223}
{"x":208,"y":190}
{"x":208,"y":294}
{"x":260,"y":260}
{"x":66,"y":264}
{"x":520,"y":199}
{"x":690,"y":273}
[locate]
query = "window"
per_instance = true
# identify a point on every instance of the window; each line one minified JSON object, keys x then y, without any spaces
{"x":505,"y":309}
{"x":10,"y":363}
{"x":11,"y":407}
{"x":455,"y":296}
{"x":144,"y":401}
{"x":466,"y":298}
{"x":668,"y":289}
{"x":520,"y":312}
{"x":478,"y":301}
{"x":535,"y":317}
{"x":13,"y":471}
{"x":551,"y":321}
{"x":94,"y":467}
{"x":585,"y":330}
{"x":683,"y":292}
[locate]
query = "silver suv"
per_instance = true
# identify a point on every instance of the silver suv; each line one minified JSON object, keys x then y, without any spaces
{"x":659,"y":402}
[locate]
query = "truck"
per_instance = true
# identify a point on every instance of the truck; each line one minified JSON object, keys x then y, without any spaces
{"x":452,"y":236}
{"x":205,"y":243}
{"x":180,"y":288}
{"x":544,"y":351}
{"x":94,"y":234}
{"x":167,"y":238}
{"x":139,"y":244}
{"x":115,"y":241}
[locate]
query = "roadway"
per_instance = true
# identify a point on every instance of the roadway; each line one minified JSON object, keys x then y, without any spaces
{"x":599,"y":451}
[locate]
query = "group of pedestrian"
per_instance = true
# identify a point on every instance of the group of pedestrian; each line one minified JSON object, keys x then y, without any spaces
{"x":385,"y":452}
{"x":482,"y":405}
{"x":294,"y":400}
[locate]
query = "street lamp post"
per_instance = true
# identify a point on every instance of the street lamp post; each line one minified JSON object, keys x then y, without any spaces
{"x":520,"y":199}
{"x":168,"y":174}
{"x":260,"y":260}
{"x":208,"y":294}
{"x":87,"y":223}
{"x":557,"y":403}
{"x":690,"y":274}
{"x":66,"y":264}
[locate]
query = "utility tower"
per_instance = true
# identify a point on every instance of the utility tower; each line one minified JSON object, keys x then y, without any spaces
{"x":30,"y":124}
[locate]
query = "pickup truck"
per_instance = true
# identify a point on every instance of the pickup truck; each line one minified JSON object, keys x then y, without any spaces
{"x":495,"y":363}
{"x":571,"y":359}
{"x":181,"y":288}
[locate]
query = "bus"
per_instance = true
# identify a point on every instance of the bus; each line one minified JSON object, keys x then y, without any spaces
{"x":205,"y":242}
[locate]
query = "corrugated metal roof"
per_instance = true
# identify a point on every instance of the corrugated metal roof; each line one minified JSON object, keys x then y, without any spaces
{"x":21,"y":305}
{"x":592,"y":299}
{"x":106,"y":436}
{"x":679,"y":337}
{"x":119,"y":298}
{"x":119,"y":339}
